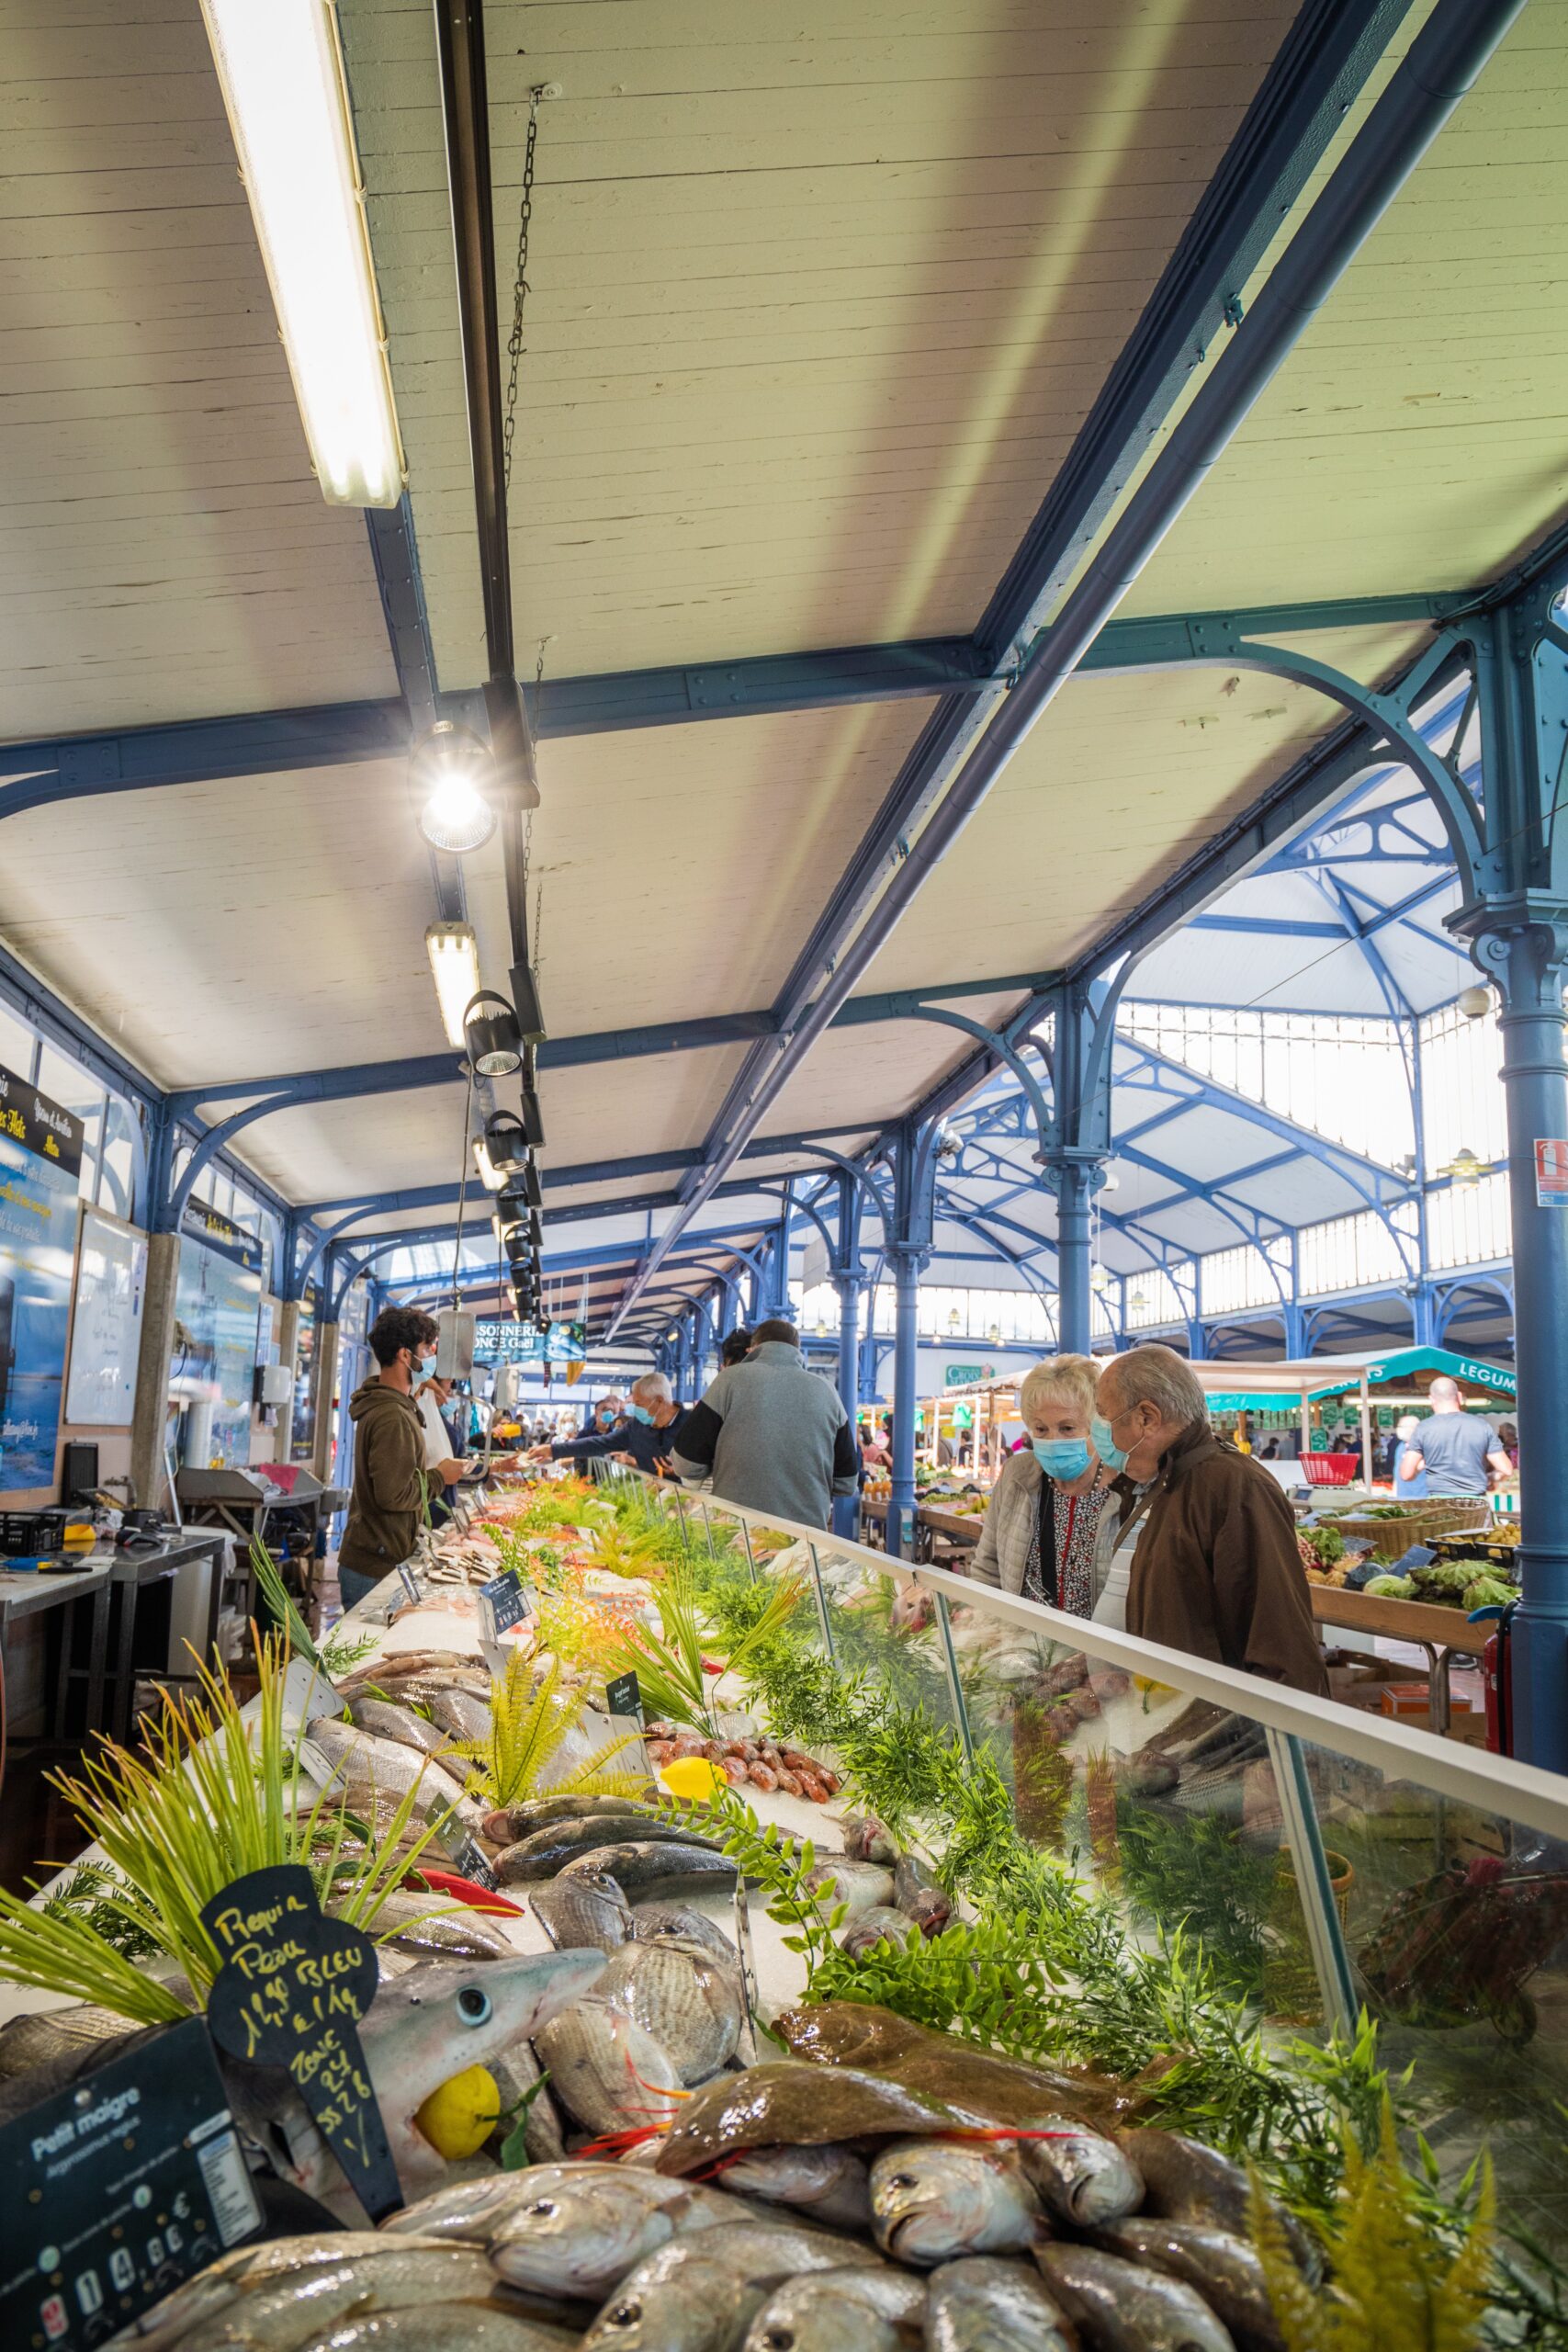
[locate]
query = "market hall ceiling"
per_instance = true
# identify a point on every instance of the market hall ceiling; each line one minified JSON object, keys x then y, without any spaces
{"x":816,"y":317}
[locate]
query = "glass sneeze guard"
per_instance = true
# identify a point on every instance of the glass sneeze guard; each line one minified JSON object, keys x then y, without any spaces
{"x":1327,"y":1861}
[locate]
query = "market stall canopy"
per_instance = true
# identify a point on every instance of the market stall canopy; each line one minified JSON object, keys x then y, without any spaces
{"x":1405,"y":1373}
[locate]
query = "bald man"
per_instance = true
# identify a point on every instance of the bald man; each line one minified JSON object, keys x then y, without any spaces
{"x":1456,"y":1449}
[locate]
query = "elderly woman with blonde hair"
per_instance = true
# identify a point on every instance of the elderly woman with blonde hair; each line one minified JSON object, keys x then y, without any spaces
{"x":1040,"y":1523}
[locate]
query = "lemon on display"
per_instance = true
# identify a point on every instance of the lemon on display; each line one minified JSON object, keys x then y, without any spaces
{"x":461,"y":2114}
{"x":692,"y":1776}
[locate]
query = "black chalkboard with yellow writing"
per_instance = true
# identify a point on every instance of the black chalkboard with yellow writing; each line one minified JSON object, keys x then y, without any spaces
{"x":291,"y":1991}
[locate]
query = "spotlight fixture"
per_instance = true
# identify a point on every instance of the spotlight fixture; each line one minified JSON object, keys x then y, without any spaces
{"x":1475,"y":1003}
{"x":454,"y":954}
{"x":505,"y":1142}
{"x":489,"y":1033}
{"x":282,"y":78}
{"x":533,"y":1120}
{"x":450,"y":769}
{"x":491,"y":1177}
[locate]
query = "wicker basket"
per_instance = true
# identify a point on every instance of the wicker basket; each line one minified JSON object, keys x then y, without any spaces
{"x":1390,"y":1538}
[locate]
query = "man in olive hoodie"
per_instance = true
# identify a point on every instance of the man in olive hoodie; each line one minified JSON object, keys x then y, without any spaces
{"x":392,"y":1483}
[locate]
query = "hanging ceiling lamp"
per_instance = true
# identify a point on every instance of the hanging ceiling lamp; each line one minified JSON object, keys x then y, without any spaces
{"x":490,"y":1036}
{"x":1464,"y":1170}
{"x":451,"y":771}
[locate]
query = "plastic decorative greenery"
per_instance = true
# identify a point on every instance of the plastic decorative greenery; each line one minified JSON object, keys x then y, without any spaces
{"x":219,"y":1797}
{"x":337,"y":1656}
{"x":529,"y":1721}
{"x":1393,"y":2290}
{"x":615,"y":1552}
{"x":670,"y":1665}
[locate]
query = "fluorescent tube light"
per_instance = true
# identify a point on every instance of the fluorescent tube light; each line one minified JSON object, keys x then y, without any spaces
{"x":283,"y":84}
{"x":454,"y":954}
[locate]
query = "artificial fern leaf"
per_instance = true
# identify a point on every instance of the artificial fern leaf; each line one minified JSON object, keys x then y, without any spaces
{"x":1395,"y":2288}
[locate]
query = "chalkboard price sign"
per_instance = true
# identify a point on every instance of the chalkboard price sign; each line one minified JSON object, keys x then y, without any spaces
{"x":291,"y":1993}
{"x":509,"y":1599}
{"x":623,"y":1696}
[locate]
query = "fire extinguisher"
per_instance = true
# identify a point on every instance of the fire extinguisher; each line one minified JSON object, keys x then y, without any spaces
{"x":1496,"y":1670}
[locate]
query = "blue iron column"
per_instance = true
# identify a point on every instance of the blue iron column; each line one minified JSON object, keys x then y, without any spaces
{"x":848,"y":1274}
{"x":1079,"y":1145}
{"x":907,"y":1248}
{"x":1518,"y":934}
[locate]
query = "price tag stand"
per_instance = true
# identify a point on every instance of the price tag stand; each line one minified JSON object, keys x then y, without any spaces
{"x":114,"y":2190}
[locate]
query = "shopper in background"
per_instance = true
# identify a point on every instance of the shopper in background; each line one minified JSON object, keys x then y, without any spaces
{"x":1456,"y":1449}
{"x":392,"y":1486}
{"x":1407,"y":1490}
{"x":1038,"y":1536}
{"x":646,"y":1438}
{"x":606,"y":1428}
{"x":1214,"y":1567}
{"x":772,"y":1435}
{"x":734,"y":1348}
{"x":1508,"y":1438}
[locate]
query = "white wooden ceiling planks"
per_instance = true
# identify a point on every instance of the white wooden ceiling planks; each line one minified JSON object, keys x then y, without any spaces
{"x":814,"y":308}
{"x":164,"y":552}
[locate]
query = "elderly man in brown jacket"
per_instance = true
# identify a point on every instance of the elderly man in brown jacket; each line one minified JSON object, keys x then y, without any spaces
{"x":1216,"y":1570}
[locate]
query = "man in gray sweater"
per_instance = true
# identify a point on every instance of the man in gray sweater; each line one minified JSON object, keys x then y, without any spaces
{"x":772,"y":1435}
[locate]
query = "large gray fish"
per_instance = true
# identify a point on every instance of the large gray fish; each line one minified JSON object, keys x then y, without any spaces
{"x":287,"y":2312}
{"x":41,"y":2052}
{"x":1083,"y":2177}
{"x":698,"y":2294}
{"x":547,"y":1850}
{"x":933,"y":2199}
{"x":685,"y":1999}
{"x":395,"y":1665}
{"x":466,"y":2327}
{"x":366,"y":1768}
{"x":916,"y":1893}
{"x":881,"y":1924}
{"x":840,"y":2310}
{"x":587,"y":1913}
{"x":420,"y":2030}
{"x":981,"y":2305}
{"x":237,"y":2280}
{"x":1121,"y":2307}
{"x":509,"y":1825}
{"x":465,"y":1714}
{"x":390,"y":1721}
{"x":1224,"y":2270}
{"x":650,"y":1920}
{"x":607,"y":2071}
{"x":826,"y":2184}
{"x":861,"y":1886}
{"x":648,"y":1871}
{"x":1185,"y":2181}
{"x":429,"y":1925}
{"x":582,"y":2228}
{"x":519,"y":2074}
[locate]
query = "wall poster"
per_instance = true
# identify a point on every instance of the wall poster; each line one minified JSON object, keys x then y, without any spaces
{"x":106,"y":1332}
{"x":40,"y":1163}
{"x":212,"y":1377}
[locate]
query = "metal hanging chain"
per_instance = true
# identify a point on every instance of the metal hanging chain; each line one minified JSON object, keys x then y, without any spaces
{"x":520,"y":286}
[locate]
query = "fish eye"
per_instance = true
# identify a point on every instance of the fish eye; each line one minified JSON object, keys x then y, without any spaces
{"x":542,"y":2205}
{"x":473,"y":2007}
{"x":902,"y":2180}
{"x":779,"y":2339}
{"x":625,"y":2314}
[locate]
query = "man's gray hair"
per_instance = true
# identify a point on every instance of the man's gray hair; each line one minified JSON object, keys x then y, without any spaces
{"x":654,"y":1387}
{"x":1158,"y":1377}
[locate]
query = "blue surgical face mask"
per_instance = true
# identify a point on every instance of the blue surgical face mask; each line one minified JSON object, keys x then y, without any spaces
{"x":1063,"y":1457}
{"x":640,"y":1413}
{"x":1111,"y":1454}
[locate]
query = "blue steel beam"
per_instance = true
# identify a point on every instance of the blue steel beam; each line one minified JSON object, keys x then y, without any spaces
{"x":38,"y":774}
{"x":967,"y":740}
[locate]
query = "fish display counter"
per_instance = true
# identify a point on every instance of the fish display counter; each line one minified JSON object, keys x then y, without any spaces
{"x":769,"y":1944}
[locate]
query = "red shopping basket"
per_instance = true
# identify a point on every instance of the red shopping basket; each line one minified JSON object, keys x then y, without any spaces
{"x":1331,"y":1469}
